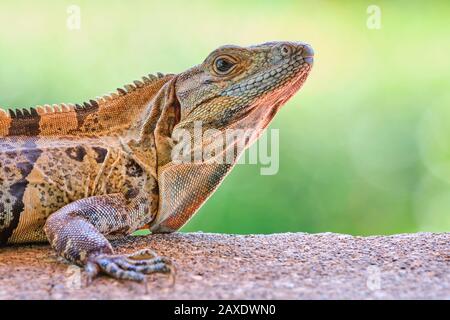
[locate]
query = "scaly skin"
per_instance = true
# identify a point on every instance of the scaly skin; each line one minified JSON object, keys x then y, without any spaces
{"x":77,"y":176}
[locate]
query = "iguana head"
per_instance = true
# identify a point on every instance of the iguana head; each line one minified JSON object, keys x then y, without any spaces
{"x":235,"y":89}
{"x":242,"y":87}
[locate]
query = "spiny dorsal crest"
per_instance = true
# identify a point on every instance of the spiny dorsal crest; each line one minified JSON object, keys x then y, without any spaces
{"x":29,"y":121}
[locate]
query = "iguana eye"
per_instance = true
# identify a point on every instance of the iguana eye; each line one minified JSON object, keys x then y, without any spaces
{"x":223,"y":65}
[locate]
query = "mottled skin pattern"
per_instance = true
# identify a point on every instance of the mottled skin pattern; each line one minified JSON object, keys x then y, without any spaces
{"x":78,"y":175}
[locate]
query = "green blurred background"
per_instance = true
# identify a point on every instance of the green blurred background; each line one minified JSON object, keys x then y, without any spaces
{"x":364,"y":146}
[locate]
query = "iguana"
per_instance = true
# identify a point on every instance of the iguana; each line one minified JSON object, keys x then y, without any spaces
{"x":78,"y":175}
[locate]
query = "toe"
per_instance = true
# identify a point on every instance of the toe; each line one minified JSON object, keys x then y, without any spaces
{"x":131,"y":267}
{"x":143,"y":254}
{"x":113,"y":269}
{"x":146,"y":262}
{"x":92,"y":270}
{"x":150,"y":266}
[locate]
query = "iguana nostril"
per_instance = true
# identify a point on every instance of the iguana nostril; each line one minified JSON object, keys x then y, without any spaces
{"x":308,"y":54}
{"x":285,"y":50}
{"x":307,"y":51}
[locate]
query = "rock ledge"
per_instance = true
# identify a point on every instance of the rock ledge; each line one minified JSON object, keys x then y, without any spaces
{"x":277,"y":266}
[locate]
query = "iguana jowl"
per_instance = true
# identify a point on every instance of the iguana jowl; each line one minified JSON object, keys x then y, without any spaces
{"x":77,"y":175}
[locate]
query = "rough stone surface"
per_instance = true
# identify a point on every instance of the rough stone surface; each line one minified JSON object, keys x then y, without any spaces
{"x":278,"y":266}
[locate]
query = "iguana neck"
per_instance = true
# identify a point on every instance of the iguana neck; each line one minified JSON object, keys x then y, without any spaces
{"x":112,"y":114}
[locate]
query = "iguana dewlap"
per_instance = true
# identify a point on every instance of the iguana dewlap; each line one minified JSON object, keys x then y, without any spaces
{"x":77,"y":175}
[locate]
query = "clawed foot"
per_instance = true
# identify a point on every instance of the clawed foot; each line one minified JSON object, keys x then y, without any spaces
{"x":130,"y":267}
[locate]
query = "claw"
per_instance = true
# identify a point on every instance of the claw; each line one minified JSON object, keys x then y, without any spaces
{"x":91,"y":270}
{"x":172,"y":274}
{"x":131,"y":267}
{"x":146,"y":286}
{"x":143,"y":254}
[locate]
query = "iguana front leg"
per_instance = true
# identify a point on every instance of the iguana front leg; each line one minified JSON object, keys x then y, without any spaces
{"x":77,"y":232}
